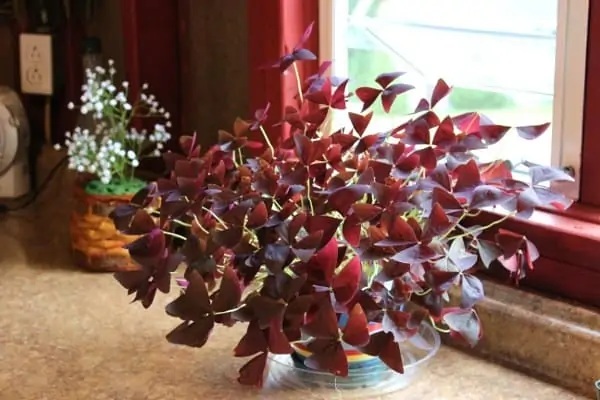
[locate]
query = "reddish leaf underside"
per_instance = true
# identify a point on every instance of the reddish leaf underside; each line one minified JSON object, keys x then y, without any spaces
{"x":252,"y":342}
{"x":323,"y":323}
{"x":382,"y":345}
{"x":346,"y":283}
{"x":356,"y":331}
{"x":229,"y":295}
{"x":465,"y":324}
{"x":328,"y":355}
{"x":252,"y":373}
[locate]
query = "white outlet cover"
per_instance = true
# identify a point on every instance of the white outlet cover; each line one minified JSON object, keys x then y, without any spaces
{"x":36,"y":64}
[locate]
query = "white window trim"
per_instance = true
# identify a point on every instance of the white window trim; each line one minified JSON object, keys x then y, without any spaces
{"x":569,"y":83}
{"x":569,"y":88}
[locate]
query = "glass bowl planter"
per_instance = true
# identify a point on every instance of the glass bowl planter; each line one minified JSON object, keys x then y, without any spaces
{"x":367,"y":380}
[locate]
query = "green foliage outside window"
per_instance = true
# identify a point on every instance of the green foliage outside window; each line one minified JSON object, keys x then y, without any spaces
{"x":363,"y":65}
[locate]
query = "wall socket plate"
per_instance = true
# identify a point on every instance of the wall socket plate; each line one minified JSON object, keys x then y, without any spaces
{"x":36,"y":64}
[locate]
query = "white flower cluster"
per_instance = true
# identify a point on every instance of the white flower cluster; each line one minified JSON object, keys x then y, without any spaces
{"x":114,"y":148}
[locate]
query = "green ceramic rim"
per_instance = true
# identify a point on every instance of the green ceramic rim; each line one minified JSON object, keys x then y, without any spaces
{"x":115,"y":187}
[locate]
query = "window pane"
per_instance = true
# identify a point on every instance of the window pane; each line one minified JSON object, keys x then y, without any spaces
{"x":499,"y":55}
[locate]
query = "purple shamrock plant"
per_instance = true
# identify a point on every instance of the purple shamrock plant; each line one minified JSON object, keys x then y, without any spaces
{"x":354,"y":222}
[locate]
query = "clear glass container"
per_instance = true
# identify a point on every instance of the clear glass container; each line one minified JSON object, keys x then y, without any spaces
{"x":368,"y":382}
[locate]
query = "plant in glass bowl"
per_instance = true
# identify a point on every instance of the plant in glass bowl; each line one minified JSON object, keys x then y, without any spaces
{"x":335,"y":247}
{"x":105,"y":149}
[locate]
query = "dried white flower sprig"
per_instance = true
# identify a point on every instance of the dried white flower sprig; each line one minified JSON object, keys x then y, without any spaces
{"x":110,"y":148}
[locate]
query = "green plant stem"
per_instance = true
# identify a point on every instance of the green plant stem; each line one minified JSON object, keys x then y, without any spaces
{"x":482,"y":228}
{"x":266,"y":137}
{"x":239,"y":153}
{"x":423,"y":293}
{"x":226,"y":311}
{"x":174,"y":235}
{"x":235,"y":160}
{"x":202,"y":228}
{"x":464,"y":214}
{"x":185,"y":224}
{"x":298,"y":83}
{"x":438,"y":328}
{"x":223,"y":223}
{"x":215,"y":216}
{"x":310,"y":203}
{"x":276,"y":203}
{"x":177,"y":221}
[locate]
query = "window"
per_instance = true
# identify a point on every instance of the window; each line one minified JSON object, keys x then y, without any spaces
{"x":518,"y":62}
{"x":551,"y":81}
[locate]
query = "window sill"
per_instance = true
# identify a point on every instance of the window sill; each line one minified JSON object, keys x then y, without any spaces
{"x":568,"y":242}
{"x":547,"y":339}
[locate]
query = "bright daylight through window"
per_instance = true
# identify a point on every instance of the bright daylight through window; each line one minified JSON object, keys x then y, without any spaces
{"x":515,"y":61}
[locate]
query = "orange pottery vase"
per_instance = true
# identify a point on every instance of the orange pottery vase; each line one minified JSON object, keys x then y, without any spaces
{"x":96,"y":244}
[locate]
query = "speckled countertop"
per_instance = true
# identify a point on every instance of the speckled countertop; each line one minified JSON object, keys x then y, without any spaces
{"x":70,"y":335}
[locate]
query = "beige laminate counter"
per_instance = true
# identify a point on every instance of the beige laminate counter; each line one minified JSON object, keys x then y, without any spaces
{"x":70,"y":335}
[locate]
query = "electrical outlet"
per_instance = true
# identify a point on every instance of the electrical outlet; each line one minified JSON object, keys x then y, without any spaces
{"x":36,"y":64}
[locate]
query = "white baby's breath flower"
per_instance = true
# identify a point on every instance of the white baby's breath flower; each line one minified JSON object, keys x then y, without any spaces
{"x":70,"y":106}
{"x":111,"y":146}
{"x":57,"y":146}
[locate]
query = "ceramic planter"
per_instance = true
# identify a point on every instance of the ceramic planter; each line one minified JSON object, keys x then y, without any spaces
{"x":95,"y":242}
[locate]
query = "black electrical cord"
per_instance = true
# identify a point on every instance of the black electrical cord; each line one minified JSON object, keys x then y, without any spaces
{"x":5,"y":209}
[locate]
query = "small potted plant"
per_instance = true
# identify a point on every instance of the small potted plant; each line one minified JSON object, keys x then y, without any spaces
{"x":336,"y":247}
{"x":105,"y":150}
